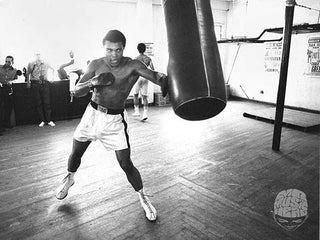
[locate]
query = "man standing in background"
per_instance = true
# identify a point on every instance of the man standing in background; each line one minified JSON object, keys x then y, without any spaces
{"x":142,"y":84}
{"x":7,"y":74}
{"x":37,"y":78}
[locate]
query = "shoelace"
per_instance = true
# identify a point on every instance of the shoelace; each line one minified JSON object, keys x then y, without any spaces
{"x":66,"y":178}
{"x":147,"y":201}
{"x":146,"y":195}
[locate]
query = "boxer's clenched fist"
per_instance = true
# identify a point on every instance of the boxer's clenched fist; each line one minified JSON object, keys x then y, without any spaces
{"x":103,"y":79}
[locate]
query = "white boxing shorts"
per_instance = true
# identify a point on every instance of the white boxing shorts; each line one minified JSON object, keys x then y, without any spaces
{"x":142,"y":86}
{"x":108,"y":125}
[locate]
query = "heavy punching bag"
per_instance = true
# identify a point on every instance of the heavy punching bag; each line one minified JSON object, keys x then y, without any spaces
{"x":196,"y":84}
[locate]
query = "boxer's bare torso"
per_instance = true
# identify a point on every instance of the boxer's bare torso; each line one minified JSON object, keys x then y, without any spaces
{"x":126,"y":72}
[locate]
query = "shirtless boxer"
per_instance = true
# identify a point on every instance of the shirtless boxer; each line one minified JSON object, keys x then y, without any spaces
{"x":142,"y":84}
{"x":111,"y":78}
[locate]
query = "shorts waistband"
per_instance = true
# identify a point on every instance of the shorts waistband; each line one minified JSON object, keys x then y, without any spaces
{"x":106,"y":110}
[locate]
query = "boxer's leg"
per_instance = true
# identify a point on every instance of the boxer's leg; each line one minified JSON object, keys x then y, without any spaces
{"x":74,"y":162}
{"x":144,"y":94}
{"x":136,"y":104}
{"x":134,"y":177}
{"x":136,"y":89}
{"x":78,"y":149}
{"x":145,"y":107}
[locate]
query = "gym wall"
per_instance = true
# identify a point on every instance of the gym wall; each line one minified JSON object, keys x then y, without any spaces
{"x":250,"y":77}
{"x":54,"y":27}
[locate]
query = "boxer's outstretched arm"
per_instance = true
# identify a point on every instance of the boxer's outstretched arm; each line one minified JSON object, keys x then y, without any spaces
{"x":155,"y":77}
{"x":142,"y":70}
{"x":83,"y":87}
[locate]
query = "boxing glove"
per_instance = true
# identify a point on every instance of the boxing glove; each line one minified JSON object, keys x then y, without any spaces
{"x":103,"y":79}
{"x":164,"y":85}
{"x":19,"y":73}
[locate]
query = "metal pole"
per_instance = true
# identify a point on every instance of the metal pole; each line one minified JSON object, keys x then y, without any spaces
{"x":289,"y":11}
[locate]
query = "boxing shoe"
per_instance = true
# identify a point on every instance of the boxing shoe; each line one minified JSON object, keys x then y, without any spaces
{"x":151,"y":212}
{"x":41,"y":124}
{"x":63,"y":189}
{"x":144,"y":116}
{"x":164,"y":85}
{"x":136,"y":112}
{"x":52,"y":124}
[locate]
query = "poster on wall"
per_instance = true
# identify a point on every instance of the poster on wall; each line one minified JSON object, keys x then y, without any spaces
{"x":149,"y":49}
{"x":272,"y":57}
{"x":313,"y":56}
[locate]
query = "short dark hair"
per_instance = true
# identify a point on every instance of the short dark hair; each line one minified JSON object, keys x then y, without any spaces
{"x":10,"y":57}
{"x":115,"y":36}
{"x":141,"y":47}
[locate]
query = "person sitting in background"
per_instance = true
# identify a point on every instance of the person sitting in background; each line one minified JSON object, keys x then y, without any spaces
{"x":37,"y":79}
{"x":142,"y":84}
{"x":7,"y":74}
{"x":70,"y":67}
{"x":71,"y":71}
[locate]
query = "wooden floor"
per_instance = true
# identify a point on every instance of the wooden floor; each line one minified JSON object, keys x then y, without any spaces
{"x":213,"y":179}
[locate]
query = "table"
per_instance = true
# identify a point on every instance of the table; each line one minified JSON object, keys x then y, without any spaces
{"x":25,"y":112}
